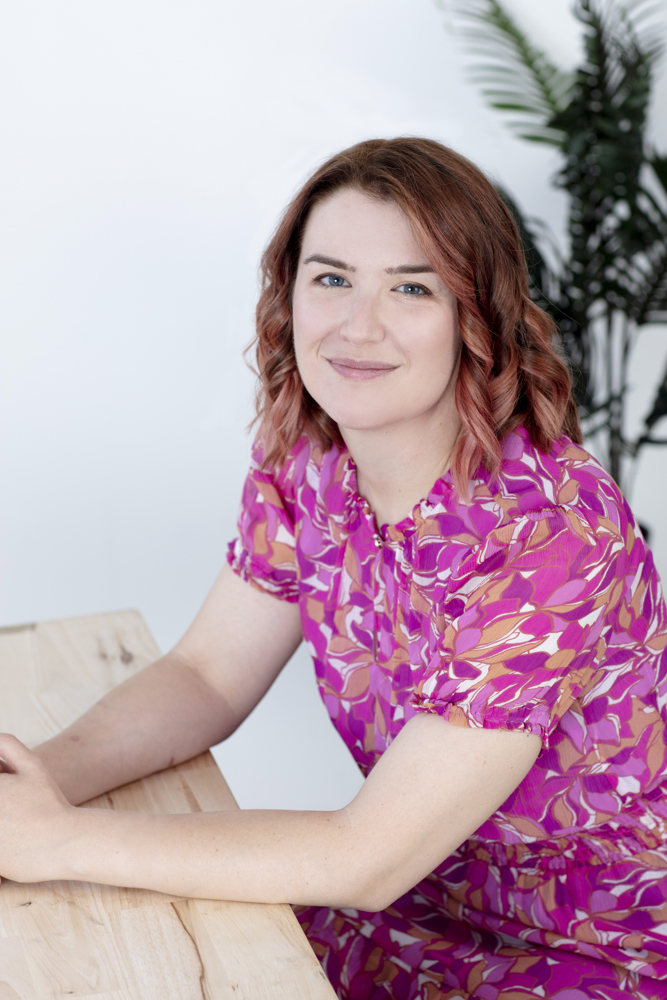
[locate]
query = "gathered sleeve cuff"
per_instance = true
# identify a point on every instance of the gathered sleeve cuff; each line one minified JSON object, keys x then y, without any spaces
{"x":263,"y":553}
{"x":525,"y":624}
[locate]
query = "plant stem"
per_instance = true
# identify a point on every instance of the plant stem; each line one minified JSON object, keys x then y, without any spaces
{"x":615,"y":434}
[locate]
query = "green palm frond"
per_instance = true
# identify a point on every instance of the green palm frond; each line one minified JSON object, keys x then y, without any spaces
{"x":659,"y":408}
{"x":541,"y":277}
{"x":655,"y":310}
{"x":513,"y":74}
{"x":605,"y":120}
{"x":613,"y":281}
{"x":615,"y":231}
{"x":649,"y":302}
{"x":549,"y":291}
{"x":659,"y":165}
{"x":636,"y":20}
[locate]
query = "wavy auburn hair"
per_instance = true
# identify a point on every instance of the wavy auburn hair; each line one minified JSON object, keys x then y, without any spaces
{"x":510,"y":372}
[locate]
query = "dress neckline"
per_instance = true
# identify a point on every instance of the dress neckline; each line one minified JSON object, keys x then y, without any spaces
{"x":437,"y":496}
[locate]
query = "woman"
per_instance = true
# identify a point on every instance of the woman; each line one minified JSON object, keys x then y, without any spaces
{"x":485,"y":620}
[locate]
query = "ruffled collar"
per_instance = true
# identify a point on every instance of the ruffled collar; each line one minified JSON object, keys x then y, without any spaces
{"x":436,"y":501}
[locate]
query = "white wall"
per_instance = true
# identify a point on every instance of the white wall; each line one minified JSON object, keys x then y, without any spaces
{"x":148,"y":148}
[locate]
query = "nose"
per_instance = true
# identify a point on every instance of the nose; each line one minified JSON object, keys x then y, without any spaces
{"x":363,"y":323}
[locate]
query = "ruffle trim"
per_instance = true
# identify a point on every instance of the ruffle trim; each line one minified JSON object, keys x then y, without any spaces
{"x":281,"y":583}
{"x":531,"y":718}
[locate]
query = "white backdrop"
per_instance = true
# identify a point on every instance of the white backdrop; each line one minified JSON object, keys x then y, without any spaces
{"x":148,"y":148}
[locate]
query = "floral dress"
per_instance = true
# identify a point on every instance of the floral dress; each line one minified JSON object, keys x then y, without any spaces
{"x":532,"y":604}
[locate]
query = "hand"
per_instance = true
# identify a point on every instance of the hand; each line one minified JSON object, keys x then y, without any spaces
{"x":36,"y":820}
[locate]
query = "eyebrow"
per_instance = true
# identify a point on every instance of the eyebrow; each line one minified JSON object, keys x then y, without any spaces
{"x":342,"y":266}
{"x":319,"y":258}
{"x":411,"y":269}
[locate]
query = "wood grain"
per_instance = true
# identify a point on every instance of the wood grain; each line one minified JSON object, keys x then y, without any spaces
{"x":101,"y":942}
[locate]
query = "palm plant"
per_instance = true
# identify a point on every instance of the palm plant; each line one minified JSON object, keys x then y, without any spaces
{"x":614,"y":280}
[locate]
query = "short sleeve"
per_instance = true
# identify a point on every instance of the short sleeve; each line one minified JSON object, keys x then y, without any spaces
{"x":263,"y":553}
{"x":524,"y":624}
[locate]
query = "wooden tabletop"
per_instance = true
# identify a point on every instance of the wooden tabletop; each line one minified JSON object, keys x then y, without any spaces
{"x":98,"y":942}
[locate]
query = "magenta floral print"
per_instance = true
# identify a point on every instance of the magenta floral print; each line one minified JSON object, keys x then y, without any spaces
{"x":532,"y":604}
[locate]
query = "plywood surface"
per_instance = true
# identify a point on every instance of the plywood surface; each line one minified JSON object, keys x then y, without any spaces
{"x":73,"y":939}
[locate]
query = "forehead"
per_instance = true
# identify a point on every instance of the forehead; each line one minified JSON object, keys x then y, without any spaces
{"x":351,"y":222}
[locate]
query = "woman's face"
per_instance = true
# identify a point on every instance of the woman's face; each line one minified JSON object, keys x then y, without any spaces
{"x":375,"y":330}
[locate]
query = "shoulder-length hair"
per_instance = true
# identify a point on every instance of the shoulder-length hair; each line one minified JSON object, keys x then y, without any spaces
{"x":510,"y":372}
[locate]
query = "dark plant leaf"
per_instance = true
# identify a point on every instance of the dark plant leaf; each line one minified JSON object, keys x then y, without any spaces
{"x":659,"y":165}
{"x":515,"y":75}
{"x":604,"y":126}
{"x":547,"y":291}
{"x":605,"y":120}
{"x":659,"y":408}
{"x":615,"y":277}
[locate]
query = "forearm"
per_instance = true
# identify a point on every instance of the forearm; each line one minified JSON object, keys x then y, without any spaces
{"x":431,"y":790}
{"x":161,"y":716}
{"x":269,"y":856}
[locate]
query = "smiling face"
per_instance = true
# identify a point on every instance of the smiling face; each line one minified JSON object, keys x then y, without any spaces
{"x":376,"y":331}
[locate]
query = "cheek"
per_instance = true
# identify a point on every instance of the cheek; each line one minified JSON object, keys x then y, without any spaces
{"x":306,"y":324}
{"x":316,"y":312}
{"x":307,"y":337}
{"x":437,"y":355}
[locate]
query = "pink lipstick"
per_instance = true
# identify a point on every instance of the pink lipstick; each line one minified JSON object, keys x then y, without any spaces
{"x":360,"y":370}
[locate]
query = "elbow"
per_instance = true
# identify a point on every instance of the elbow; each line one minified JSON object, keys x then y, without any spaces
{"x":372,"y":904}
{"x":368,"y":873}
{"x":371,"y":901}
{"x":370,"y":894}
{"x":365,"y":878}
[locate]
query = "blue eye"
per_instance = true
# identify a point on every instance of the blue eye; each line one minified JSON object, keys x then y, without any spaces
{"x":333,"y":280}
{"x":410,"y":289}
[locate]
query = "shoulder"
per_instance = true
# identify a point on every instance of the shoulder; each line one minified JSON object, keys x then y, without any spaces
{"x":560,"y":539}
{"x":567,"y":477}
{"x":543,"y":508}
{"x":532,"y":485}
{"x":307,"y":471}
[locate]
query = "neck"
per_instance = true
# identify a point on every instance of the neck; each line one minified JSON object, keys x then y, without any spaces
{"x":397,"y":466}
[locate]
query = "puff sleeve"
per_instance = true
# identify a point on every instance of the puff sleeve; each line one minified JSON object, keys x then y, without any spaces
{"x":527,"y":619}
{"x":263,"y":553}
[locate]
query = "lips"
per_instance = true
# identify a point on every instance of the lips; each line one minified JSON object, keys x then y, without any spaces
{"x":360,"y":370}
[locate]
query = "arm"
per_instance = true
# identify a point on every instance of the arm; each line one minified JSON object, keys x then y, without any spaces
{"x":185,"y":702}
{"x":429,"y":792}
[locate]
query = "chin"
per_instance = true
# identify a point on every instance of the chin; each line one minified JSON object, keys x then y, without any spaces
{"x":363,"y":410}
{"x":353,"y":420}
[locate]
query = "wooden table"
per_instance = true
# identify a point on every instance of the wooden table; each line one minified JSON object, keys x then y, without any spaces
{"x":75,"y":939}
